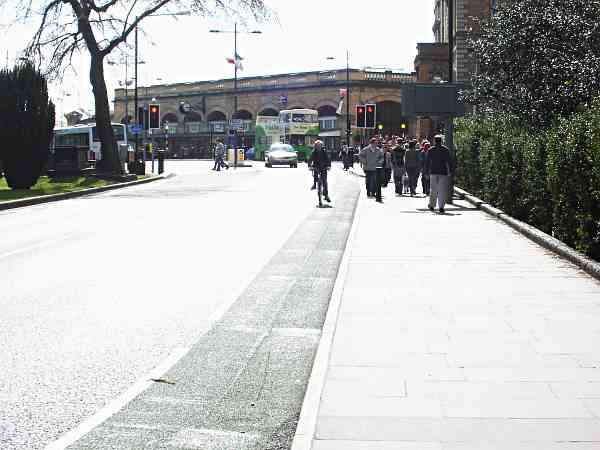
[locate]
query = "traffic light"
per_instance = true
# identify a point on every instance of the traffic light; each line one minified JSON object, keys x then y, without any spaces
{"x":142,"y":117}
{"x":360,"y":116}
{"x":370,"y":116}
{"x":154,"y":115}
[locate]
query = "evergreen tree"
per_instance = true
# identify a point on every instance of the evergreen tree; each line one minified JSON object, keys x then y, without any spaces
{"x":26,"y":125}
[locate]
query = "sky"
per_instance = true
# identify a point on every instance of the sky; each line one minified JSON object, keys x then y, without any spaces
{"x":376,"y":33}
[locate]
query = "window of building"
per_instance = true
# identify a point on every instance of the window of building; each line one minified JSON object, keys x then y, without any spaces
{"x":328,"y":123}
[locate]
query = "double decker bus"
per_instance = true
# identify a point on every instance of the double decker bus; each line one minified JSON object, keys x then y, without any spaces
{"x":268,"y":131}
{"x":300,"y":129}
{"x":86,"y":136}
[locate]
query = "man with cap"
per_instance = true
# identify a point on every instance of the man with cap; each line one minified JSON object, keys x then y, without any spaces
{"x":439,"y":166}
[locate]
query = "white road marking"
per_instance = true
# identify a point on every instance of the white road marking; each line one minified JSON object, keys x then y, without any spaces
{"x":145,"y":382}
{"x":113,"y":407}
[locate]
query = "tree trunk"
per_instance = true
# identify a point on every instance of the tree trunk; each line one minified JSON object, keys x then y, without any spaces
{"x":110,"y":156}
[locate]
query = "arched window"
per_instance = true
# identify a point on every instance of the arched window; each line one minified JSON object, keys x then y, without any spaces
{"x":269,"y":112}
{"x":216,"y":116}
{"x":327,"y":111}
{"x":243,"y":114}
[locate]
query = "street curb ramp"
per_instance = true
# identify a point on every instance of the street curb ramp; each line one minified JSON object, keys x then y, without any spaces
{"x":586,"y":264}
{"x":11,"y":204}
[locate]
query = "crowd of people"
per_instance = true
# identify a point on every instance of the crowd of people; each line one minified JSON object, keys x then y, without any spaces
{"x":407,"y":160}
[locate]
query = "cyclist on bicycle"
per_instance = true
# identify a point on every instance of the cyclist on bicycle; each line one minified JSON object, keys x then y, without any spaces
{"x":320,"y":163}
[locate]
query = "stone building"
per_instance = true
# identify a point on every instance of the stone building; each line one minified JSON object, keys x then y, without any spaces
{"x":467,"y":17}
{"x":431,"y":66}
{"x":208,"y":110}
{"x":432,"y":61}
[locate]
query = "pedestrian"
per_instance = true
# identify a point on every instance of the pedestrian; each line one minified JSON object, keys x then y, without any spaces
{"x":352,"y":152}
{"x":411,"y":162}
{"x":439,"y":166}
{"x":398,"y":166}
{"x":425,"y":145}
{"x":320,"y":163}
{"x":387,"y":165}
{"x":371,"y":158}
{"x":344,"y":155}
{"x":216,"y":164}
{"x":220,"y":156}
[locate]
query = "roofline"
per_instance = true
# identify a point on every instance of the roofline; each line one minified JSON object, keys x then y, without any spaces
{"x":258,"y":77}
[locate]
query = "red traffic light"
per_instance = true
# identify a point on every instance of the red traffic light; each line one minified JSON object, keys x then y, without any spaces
{"x":153,"y":109}
{"x":370,"y":109}
{"x":360,"y":110}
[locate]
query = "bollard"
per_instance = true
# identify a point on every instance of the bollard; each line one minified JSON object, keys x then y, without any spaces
{"x":161,"y":161}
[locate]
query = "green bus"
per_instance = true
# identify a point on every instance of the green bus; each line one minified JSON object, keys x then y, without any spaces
{"x":300,"y":129}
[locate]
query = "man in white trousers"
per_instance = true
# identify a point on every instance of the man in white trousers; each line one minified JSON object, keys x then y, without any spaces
{"x":439,"y":166}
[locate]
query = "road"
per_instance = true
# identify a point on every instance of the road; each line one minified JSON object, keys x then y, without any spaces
{"x":97,"y":291}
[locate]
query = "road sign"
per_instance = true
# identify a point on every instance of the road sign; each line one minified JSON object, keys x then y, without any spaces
{"x":135,"y":129}
{"x":236,"y":124}
{"x":438,"y":100}
{"x":283,"y":99}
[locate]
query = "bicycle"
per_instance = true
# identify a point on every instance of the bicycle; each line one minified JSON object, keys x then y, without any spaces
{"x":318,"y":177}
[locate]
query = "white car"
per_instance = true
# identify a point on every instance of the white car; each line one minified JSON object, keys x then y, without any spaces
{"x":282,"y":155}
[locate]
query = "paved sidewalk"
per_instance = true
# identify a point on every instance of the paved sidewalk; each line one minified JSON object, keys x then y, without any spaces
{"x":457,"y":333}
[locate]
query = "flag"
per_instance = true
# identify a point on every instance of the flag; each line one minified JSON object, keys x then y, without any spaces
{"x":340,"y":106}
{"x":237,"y":61}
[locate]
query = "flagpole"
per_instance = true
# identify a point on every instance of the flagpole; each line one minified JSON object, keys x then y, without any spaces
{"x":236,"y":61}
{"x":235,"y":99}
{"x":348,"y":125}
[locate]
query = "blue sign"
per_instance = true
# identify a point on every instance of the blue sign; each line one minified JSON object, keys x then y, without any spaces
{"x":232,"y":140}
{"x":135,"y":129}
{"x":283,"y":99}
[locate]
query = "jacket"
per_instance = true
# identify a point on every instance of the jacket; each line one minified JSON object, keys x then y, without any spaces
{"x":411,"y":158}
{"x":387,"y":160}
{"x":319,"y":160}
{"x":371,"y":159}
{"x":220,"y":150}
{"x":438,"y":161}
{"x":398,"y":156}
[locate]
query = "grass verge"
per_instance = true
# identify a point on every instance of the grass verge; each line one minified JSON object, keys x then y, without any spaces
{"x":47,"y":186}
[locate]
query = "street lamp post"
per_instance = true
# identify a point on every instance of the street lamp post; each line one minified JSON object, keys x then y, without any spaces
{"x":126,"y":83}
{"x":235,"y":32}
{"x":135,"y":101}
{"x":348,"y":122}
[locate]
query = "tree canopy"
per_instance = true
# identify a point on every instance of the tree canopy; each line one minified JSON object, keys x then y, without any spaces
{"x":97,"y":27}
{"x":538,"y":59}
{"x":65,"y":27}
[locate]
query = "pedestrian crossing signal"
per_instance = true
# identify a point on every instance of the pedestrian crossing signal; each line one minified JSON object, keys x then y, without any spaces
{"x":370,"y":116}
{"x":360,"y":116}
{"x":154,"y":116}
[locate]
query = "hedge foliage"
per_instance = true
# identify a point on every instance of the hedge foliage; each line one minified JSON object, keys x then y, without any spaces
{"x":549,"y":179}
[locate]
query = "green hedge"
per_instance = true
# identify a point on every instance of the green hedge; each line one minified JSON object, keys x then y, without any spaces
{"x":574,"y":180}
{"x":547,"y":178}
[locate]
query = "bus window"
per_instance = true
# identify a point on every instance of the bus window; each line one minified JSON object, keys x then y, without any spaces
{"x":119,"y":132}
{"x":299,"y":118}
{"x":68,"y":140}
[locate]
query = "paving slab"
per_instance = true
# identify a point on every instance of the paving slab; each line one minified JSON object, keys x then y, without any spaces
{"x":455,"y":332}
